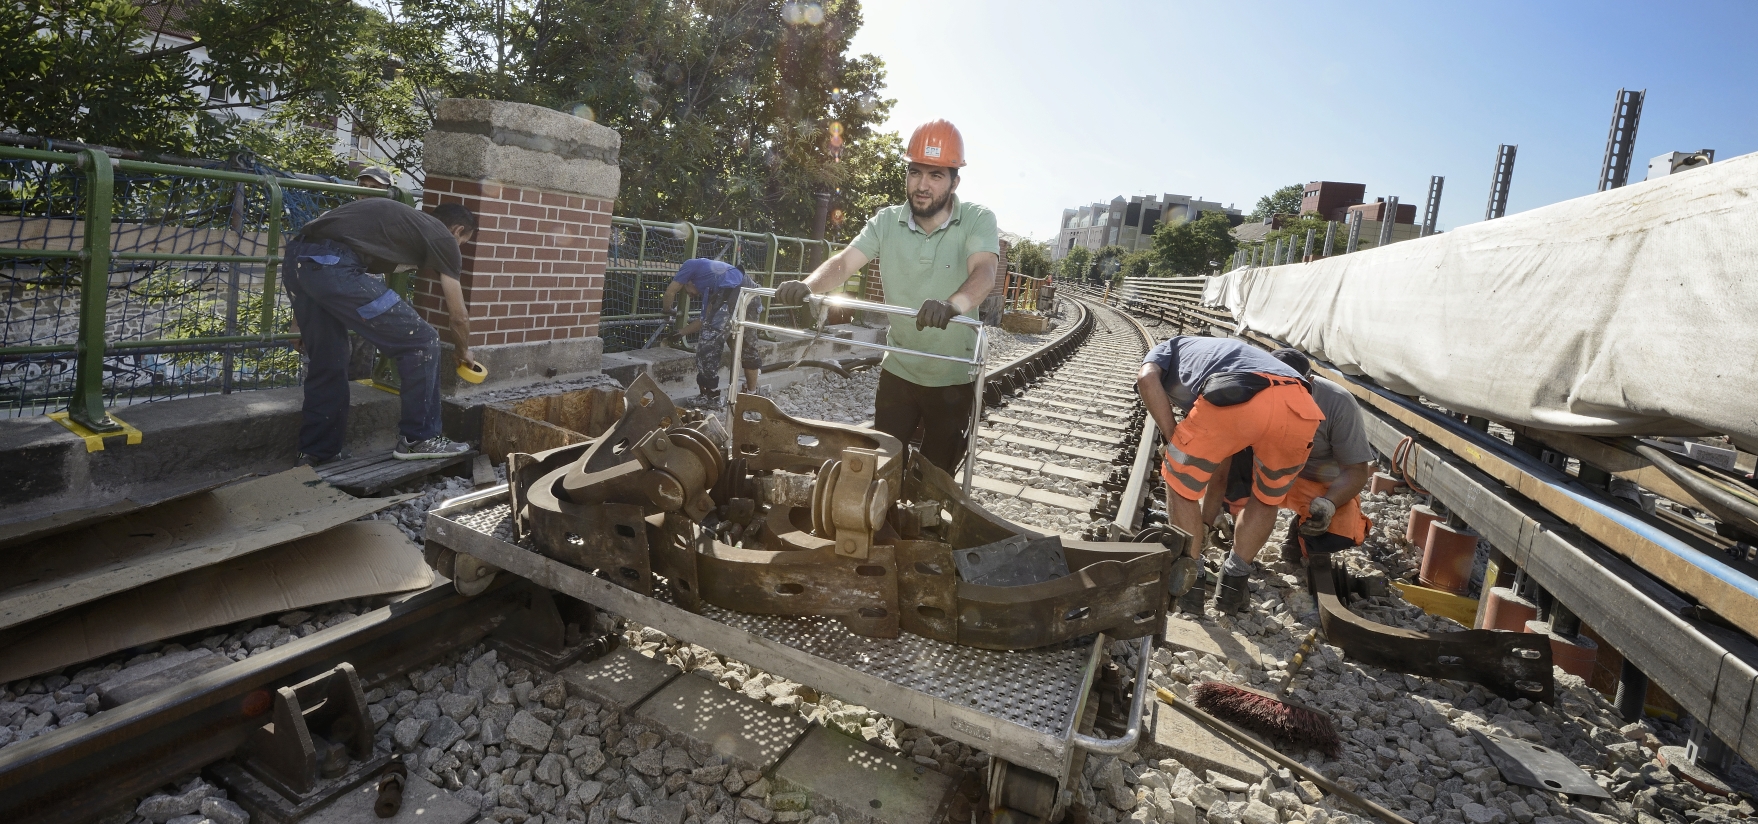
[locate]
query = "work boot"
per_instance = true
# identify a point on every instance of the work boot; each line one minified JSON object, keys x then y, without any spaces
{"x":706,"y":401}
{"x":1191,"y":602}
{"x":1230,"y":597}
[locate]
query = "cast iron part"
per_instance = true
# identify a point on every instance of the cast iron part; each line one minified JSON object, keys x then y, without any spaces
{"x":1512,"y":665}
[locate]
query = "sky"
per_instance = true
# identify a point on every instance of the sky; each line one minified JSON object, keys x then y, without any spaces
{"x":1065,"y":103}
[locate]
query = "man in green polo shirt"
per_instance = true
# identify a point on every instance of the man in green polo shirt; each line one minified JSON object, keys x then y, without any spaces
{"x":937,"y":252}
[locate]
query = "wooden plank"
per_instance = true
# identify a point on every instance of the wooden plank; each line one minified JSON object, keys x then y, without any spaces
{"x":68,"y":569}
{"x":1627,"y":465}
{"x":1444,"y":604}
{"x":1695,"y":572}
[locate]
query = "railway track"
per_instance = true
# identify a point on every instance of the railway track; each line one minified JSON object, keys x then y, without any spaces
{"x":1058,"y":451}
{"x":93,"y":768}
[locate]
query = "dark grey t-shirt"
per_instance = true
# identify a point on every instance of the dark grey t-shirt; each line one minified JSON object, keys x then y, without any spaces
{"x":387,"y":234}
{"x":1341,"y":438}
{"x":1200,"y":358}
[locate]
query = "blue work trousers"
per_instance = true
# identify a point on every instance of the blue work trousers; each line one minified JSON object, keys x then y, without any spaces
{"x":333,"y":294}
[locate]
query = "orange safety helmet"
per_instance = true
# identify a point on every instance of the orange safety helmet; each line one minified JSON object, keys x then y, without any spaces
{"x":937,"y":143}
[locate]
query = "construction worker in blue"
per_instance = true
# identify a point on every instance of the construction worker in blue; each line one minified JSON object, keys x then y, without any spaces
{"x":716,"y":283}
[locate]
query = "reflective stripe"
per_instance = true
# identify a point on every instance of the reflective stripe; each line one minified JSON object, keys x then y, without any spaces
{"x":1274,"y":474}
{"x":1189,"y":483}
{"x":1275,"y":491}
{"x":1178,"y":456}
{"x":379,"y":305}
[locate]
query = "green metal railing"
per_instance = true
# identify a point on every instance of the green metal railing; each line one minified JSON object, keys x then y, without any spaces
{"x":645,"y":254}
{"x":128,"y":280}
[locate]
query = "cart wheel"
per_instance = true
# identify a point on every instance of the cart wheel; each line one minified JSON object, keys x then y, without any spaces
{"x":470,"y":575}
{"x":1018,"y":795}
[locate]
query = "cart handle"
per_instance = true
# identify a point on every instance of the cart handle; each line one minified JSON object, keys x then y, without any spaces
{"x":1125,"y":742}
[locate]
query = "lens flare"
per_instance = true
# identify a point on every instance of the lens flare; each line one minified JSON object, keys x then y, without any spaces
{"x":584,"y":112}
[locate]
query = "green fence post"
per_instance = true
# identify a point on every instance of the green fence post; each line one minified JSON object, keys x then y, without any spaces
{"x":86,"y":407}
{"x":271,"y":266}
{"x":769,"y":258}
{"x":689,"y":254}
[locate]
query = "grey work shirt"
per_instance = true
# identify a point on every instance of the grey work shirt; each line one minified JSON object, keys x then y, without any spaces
{"x":1341,"y":439}
{"x":387,"y":234}
{"x":1199,"y":358}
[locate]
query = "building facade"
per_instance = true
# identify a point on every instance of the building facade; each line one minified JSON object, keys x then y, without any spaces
{"x":1331,"y":200}
{"x":1129,"y":223}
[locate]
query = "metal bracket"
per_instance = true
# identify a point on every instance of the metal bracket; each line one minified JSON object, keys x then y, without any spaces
{"x":1513,"y":665}
{"x":317,"y":746}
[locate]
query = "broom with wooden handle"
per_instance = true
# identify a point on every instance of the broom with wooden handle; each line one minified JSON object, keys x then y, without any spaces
{"x":1271,"y":713}
{"x":1295,"y":766}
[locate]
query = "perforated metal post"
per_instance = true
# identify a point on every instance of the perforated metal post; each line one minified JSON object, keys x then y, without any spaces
{"x":1432,"y":211}
{"x":1330,"y":236}
{"x":1310,"y":232}
{"x":86,"y":407}
{"x":1614,"y":171}
{"x":1388,"y":217}
{"x":1354,"y":232}
{"x":1499,"y":183}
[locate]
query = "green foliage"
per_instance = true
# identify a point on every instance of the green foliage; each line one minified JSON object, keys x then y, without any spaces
{"x":1283,"y":201}
{"x":1030,"y":258}
{"x":1194,"y":247}
{"x":1296,"y":229}
{"x":1136,"y":264}
{"x":1077,"y":264}
{"x":92,"y":70}
{"x":727,"y":108}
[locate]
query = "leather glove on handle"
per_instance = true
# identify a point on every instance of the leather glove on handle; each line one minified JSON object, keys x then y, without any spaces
{"x":792,"y":293}
{"x":935,"y":313}
{"x":1318,"y":518}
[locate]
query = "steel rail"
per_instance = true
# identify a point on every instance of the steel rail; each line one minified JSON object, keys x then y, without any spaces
{"x":82,"y":771}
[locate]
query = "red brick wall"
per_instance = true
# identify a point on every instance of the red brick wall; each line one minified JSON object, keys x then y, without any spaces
{"x":535,"y":270}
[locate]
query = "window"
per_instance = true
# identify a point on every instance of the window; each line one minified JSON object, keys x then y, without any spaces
{"x":1132,"y":214}
{"x":1148,"y":221}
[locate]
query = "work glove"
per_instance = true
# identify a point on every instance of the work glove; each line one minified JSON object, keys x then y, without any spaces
{"x":935,"y":313}
{"x":792,"y":293}
{"x":1318,"y":517}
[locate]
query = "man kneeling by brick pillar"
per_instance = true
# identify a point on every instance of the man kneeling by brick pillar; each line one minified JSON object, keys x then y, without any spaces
{"x":330,"y":270}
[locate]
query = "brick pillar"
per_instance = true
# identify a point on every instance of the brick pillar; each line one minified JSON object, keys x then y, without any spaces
{"x":542,"y":184}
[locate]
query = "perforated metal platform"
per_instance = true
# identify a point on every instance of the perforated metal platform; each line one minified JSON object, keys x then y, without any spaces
{"x":1021,"y":703}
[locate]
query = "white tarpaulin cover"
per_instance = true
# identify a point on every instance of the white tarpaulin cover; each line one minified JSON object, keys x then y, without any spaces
{"x":1628,"y":312}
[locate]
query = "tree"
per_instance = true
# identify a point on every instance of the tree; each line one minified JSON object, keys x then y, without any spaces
{"x":1296,"y":231}
{"x":1283,"y":201}
{"x":1189,"y":248}
{"x":1030,"y":258}
{"x":1077,"y":264}
{"x":728,"y":109}
{"x":1136,"y":264}
{"x":95,"y":71}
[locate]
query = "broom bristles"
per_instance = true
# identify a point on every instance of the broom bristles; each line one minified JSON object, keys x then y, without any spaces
{"x":1264,"y":714}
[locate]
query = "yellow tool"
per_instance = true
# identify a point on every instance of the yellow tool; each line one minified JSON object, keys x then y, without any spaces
{"x":473,"y":372}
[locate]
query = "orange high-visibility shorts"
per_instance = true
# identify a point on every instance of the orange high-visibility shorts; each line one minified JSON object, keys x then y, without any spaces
{"x":1349,"y":522}
{"x":1278,"y":424}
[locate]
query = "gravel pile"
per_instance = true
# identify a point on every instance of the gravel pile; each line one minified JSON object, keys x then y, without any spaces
{"x":1407,"y":741}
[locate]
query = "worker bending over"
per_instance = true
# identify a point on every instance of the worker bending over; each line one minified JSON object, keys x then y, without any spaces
{"x":940,"y":253}
{"x":717,"y":283}
{"x":1234,"y":396}
{"x":332,"y":272}
{"x":1324,"y":493}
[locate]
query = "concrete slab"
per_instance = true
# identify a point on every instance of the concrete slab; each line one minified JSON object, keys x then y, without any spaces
{"x":186,"y":444}
{"x":1209,"y":638}
{"x":999,"y":487}
{"x":751,"y":734}
{"x":423,"y":803}
{"x":618,"y":680}
{"x":863,"y":783}
{"x":1176,"y":735}
{"x":1057,"y":499}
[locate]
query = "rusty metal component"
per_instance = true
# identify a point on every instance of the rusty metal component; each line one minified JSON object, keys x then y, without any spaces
{"x":1118,"y":589}
{"x":1513,"y":665}
{"x":307,"y":719}
{"x":655,"y":502}
{"x":390,"y":789}
{"x":768,"y":438}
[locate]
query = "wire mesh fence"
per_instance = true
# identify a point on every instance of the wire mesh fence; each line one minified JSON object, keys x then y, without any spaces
{"x":143,"y":281}
{"x":644,"y":255}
